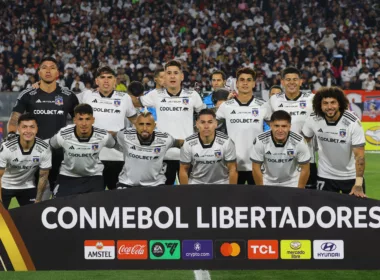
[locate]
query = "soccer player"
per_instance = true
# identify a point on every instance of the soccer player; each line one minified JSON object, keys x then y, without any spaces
{"x":244,"y":117}
{"x":159,"y":78}
{"x":276,"y":89}
{"x":341,"y":143}
{"x":50,"y":104}
{"x":136,"y":89}
{"x":175,"y":108}
{"x":281,"y":152}
{"x":210,"y":152}
{"x":19,"y":159}
{"x":218,"y":81}
{"x":144,"y":150}
{"x":110,"y":108}
{"x":299,"y":105}
{"x":81,"y":170}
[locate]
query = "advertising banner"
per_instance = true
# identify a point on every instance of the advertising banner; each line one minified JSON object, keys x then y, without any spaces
{"x":372,"y":136}
{"x":194,"y":227}
{"x":365,"y":104}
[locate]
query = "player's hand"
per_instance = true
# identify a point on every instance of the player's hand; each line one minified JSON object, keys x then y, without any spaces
{"x":36,"y":85}
{"x":36,"y":201}
{"x":357,"y":191}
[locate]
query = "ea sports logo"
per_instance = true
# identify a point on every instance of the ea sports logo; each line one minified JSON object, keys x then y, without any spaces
{"x":230,"y":249}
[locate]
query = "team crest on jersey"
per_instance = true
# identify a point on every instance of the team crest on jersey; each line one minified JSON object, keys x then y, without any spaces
{"x":218,"y":153}
{"x":95,"y":147}
{"x":342,"y":133}
{"x":255,"y":112}
{"x":117,"y":102}
{"x":185,"y":101}
{"x":302,"y":104}
{"x":157,"y":150}
{"x":290,"y":153}
{"x":58,"y":100}
{"x":36,"y":159}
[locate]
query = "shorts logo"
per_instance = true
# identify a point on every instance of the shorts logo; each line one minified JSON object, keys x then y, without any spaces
{"x":165,"y":249}
{"x":197,"y":250}
{"x":132,"y":249}
{"x":295,"y":249}
{"x":302,"y":104}
{"x":262,"y":249}
{"x":290,"y":153}
{"x":185,"y":101}
{"x":328,"y":249}
{"x":342,"y":133}
{"x":157,"y":150}
{"x":117,"y":102}
{"x":36,"y":159}
{"x":58,"y":100}
{"x":99,"y":249}
{"x":255,"y":112}
{"x":218,"y":153}
{"x":230,"y":249}
{"x":95,"y":147}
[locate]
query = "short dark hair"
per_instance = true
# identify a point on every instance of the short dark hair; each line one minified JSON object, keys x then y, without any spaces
{"x":220,"y":72}
{"x":275,"y":87}
{"x":27,"y":117}
{"x":136,"y":88}
{"x":174,"y":63}
{"x":245,"y":70}
{"x":83,"y":109}
{"x":290,"y":70}
{"x":158,"y":71}
{"x":48,"y":58}
{"x":105,"y":70}
{"x":281,"y":115}
{"x":206,"y":111}
{"x":219,"y":94}
{"x":329,"y":92}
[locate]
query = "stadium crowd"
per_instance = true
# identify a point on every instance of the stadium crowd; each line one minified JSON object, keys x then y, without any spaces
{"x":331,"y":42}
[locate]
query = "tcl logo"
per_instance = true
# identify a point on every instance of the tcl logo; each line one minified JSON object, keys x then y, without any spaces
{"x":132,"y":249}
{"x":262,"y":249}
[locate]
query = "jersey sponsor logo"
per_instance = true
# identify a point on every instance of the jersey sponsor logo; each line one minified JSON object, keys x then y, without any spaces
{"x":99,"y":249}
{"x":346,"y":122}
{"x":38,"y":101}
{"x":290,"y":153}
{"x":193,"y":143}
{"x":117,"y":102}
{"x":103,"y":110}
{"x":133,"y":147}
{"x":208,"y":161}
{"x":175,"y":109}
{"x":244,"y":121}
{"x":81,"y":155}
{"x":268,"y":153}
{"x":94,"y":101}
{"x":185,"y":109}
{"x":142,"y":157}
{"x":331,"y":140}
{"x":297,"y":113}
{"x":320,"y":130}
{"x":281,"y":106}
{"x":342,"y":132}
{"x":48,"y":112}
{"x":163,"y":100}
{"x":255,"y":112}
{"x":233,"y":112}
{"x":302,"y":104}
{"x":280,"y":160}
{"x":95,"y":147}
{"x":15,"y":160}
{"x":157,"y":150}
{"x":218,"y":153}
{"x":58,"y":100}
{"x":185,"y":101}
{"x":36,"y":159}
{"x":72,"y":148}
{"x":196,"y":155}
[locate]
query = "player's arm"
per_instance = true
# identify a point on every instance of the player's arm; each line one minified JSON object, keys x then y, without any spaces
{"x":12,"y":124}
{"x":42,"y":183}
{"x":357,"y":189}
{"x":133,"y":119}
{"x":136,"y":101}
{"x":54,"y":141}
{"x":232,"y":172}
{"x":184,"y":173}
{"x":2,"y":170}
{"x":110,"y":141}
{"x":257,"y":174}
{"x":257,"y":157}
{"x":304,"y":175}
{"x":74,"y":102}
{"x":178,"y":143}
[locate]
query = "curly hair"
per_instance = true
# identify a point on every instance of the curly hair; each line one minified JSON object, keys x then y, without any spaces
{"x":329,"y":92}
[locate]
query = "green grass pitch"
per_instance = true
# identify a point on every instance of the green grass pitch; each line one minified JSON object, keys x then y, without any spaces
{"x":372,"y":177}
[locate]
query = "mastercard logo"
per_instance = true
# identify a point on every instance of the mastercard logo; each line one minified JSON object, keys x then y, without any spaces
{"x":230,"y":249}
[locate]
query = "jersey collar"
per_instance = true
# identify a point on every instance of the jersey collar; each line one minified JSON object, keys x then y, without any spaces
{"x":277,"y":145}
{"x":171,"y":95}
{"x":148,"y":143}
{"x":83,"y":139}
{"x":246,"y":104}
{"x":333,"y":123}
{"x":295,"y":99}
{"x":206,"y":146}
{"x":109,"y":96}
{"x":22,"y":150}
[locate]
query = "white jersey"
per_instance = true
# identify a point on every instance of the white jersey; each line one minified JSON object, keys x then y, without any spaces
{"x":208,"y":161}
{"x":175,"y":113}
{"x":280,"y":162}
{"x":244,"y":122}
{"x":335,"y":142}
{"x":81,"y":156}
{"x":20,"y":166}
{"x":143,"y":163}
{"x":110,"y":113}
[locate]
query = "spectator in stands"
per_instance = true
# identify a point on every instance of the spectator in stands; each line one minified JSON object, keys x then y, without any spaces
{"x":369,"y":83}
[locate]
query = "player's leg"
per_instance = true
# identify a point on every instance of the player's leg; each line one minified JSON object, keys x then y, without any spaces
{"x":172,"y":168}
{"x":312,"y":181}
{"x":56,"y":160}
{"x":245,"y":176}
{"x":6,"y":196}
{"x":329,"y":185}
{"x":27,"y":196}
{"x":111,"y":173}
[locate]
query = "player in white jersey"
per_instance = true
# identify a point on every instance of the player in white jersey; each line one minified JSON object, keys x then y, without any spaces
{"x":283,"y":153}
{"x":299,"y":105}
{"x":244,"y":117}
{"x":341,"y":143}
{"x":110,"y":108}
{"x":20,"y":158}
{"x":81,"y":169}
{"x":211,"y":153}
{"x":144,"y":150}
{"x":175,"y":109}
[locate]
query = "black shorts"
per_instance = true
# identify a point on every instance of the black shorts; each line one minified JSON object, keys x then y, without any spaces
{"x":245,"y":176}
{"x":121,"y":186}
{"x":78,"y":185}
{"x":338,"y":186}
{"x":172,"y":168}
{"x":23,"y":196}
{"x":111,"y":173}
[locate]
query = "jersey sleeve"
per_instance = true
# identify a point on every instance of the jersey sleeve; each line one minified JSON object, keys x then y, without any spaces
{"x":22,"y":103}
{"x":170,"y":141}
{"x":185,"y":156}
{"x":257,"y":151}
{"x":120,"y":140}
{"x":45,"y":162}
{"x":220,"y":114}
{"x":3,"y":157}
{"x":358,"y":138}
{"x":303,"y":153}
{"x":229,"y":151}
{"x":131,"y":111}
{"x":109,"y":141}
{"x":56,"y":141}
{"x":307,"y":129}
{"x":149,"y":99}
{"x":198,"y":103}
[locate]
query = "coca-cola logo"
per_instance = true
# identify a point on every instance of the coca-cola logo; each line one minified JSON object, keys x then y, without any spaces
{"x":137,"y":249}
{"x":132,"y":249}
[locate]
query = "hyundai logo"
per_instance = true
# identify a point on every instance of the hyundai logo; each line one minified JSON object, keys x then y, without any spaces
{"x":328,"y":246}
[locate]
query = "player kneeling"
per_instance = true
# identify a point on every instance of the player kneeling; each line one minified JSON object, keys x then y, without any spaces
{"x":283,"y":153}
{"x":211,"y":153}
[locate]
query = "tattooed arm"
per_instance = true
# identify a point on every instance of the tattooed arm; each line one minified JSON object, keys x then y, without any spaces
{"x":357,"y":189}
{"x":12,"y":123}
{"x":1,"y":175}
{"x":42,"y":182}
